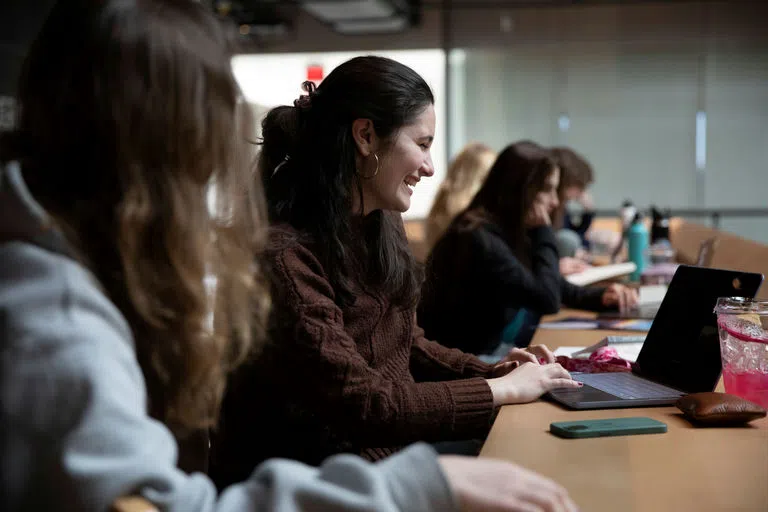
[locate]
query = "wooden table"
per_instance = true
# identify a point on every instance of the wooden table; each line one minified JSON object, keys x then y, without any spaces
{"x":686,"y":469}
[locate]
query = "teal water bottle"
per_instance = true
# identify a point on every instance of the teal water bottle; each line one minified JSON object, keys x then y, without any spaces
{"x":637,"y":238}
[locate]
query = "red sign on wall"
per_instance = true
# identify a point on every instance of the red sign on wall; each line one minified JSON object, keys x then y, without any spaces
{"x":315,"y":73}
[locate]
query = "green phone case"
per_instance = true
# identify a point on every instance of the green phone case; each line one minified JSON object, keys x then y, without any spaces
{"x":609,"y":427}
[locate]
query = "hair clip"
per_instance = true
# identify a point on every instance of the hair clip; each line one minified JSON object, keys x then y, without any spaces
{"x":305,"y":100}
{"x":277,"y":168}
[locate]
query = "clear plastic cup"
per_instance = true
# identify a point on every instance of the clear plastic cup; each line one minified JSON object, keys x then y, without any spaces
{"x":743,"y":327}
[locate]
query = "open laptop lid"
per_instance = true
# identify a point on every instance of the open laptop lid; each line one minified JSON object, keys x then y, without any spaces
{"x":682,"y":349}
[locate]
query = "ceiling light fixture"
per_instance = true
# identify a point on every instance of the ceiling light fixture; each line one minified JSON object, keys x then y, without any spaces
{"x":335,"y":11}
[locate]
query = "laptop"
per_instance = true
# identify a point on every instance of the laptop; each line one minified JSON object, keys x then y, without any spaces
{"x":681,"y":353}
{"x":648,"y":310}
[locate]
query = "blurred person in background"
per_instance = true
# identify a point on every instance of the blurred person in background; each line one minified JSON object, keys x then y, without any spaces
{"x":462,"y":181}
{"x":495,"y":272}
{"x":110,"y":364}
{"x":576,"y":175}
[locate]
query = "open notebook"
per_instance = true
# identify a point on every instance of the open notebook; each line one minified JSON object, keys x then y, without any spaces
{"x":602,"y":273}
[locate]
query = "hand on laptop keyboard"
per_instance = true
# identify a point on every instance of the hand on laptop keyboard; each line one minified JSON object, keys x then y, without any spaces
{"x":529,"y":382}
{"x":621,"y":297}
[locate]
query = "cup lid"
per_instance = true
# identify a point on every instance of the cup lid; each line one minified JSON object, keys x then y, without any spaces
{"x":740,"y":305}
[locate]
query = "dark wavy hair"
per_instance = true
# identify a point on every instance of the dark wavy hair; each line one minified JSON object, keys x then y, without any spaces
{"x":575,"y":171}
{"x":519,"y":173}
{"x":129,"y":109}
{"x":307,"y":167}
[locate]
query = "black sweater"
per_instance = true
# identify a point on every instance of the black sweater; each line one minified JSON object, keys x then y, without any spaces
{"x":475,"y":285}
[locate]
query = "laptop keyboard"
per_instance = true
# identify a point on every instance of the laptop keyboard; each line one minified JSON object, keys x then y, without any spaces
{"x":625,"y":385}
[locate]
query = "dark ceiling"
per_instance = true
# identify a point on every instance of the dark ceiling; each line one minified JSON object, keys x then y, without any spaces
{"x":263,"y":17}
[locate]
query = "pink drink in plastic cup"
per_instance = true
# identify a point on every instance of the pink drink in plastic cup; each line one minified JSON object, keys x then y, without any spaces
{"x":744,"y":347}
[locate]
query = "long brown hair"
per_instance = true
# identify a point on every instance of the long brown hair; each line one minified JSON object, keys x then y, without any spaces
{"x":465,"y":175}
{"x":129,"y":111}
{"x":510,"y":189}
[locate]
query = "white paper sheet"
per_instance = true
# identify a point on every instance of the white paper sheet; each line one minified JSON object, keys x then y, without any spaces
{"x":567,"y":351}
{"x":596,"y":274}
{"x":652,"y":294}
{"x":563,"y":326}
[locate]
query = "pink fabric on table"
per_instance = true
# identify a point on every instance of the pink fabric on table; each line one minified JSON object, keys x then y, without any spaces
{"x":602,"y":360}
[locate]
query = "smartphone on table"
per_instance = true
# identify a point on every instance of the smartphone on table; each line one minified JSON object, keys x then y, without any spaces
{"x":607,"y":427}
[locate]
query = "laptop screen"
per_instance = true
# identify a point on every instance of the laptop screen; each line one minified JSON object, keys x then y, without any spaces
{"x":682,"y":349}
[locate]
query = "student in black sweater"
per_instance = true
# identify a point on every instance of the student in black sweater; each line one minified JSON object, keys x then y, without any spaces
{"x":495,"y":270}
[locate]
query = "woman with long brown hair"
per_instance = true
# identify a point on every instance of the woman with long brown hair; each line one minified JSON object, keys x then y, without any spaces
{"x":130,"y":113}
{"x":495,"y":271}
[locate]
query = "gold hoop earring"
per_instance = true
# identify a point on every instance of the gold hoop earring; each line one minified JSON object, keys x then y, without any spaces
{"x":374,"y":172}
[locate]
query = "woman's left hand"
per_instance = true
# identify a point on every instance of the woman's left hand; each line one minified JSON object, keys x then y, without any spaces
{"x":537,"y":354}
{"x":621,"y":297}
{"x":502,"y":368}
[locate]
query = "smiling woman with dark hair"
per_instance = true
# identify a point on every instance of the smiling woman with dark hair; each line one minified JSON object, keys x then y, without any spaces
{"x":348,"y":369}
{"x":495,"y":271}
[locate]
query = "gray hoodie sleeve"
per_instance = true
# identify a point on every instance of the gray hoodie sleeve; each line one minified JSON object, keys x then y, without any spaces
{"x":76,"y":434}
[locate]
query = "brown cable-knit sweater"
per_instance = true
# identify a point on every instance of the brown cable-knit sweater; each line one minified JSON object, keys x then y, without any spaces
{"x":362,"y":380}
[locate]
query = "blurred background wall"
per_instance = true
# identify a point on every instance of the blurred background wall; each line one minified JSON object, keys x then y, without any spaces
{"x":667,"y":99}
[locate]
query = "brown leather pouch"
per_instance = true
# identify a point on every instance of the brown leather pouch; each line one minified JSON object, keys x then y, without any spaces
{"x":719,"y":409}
